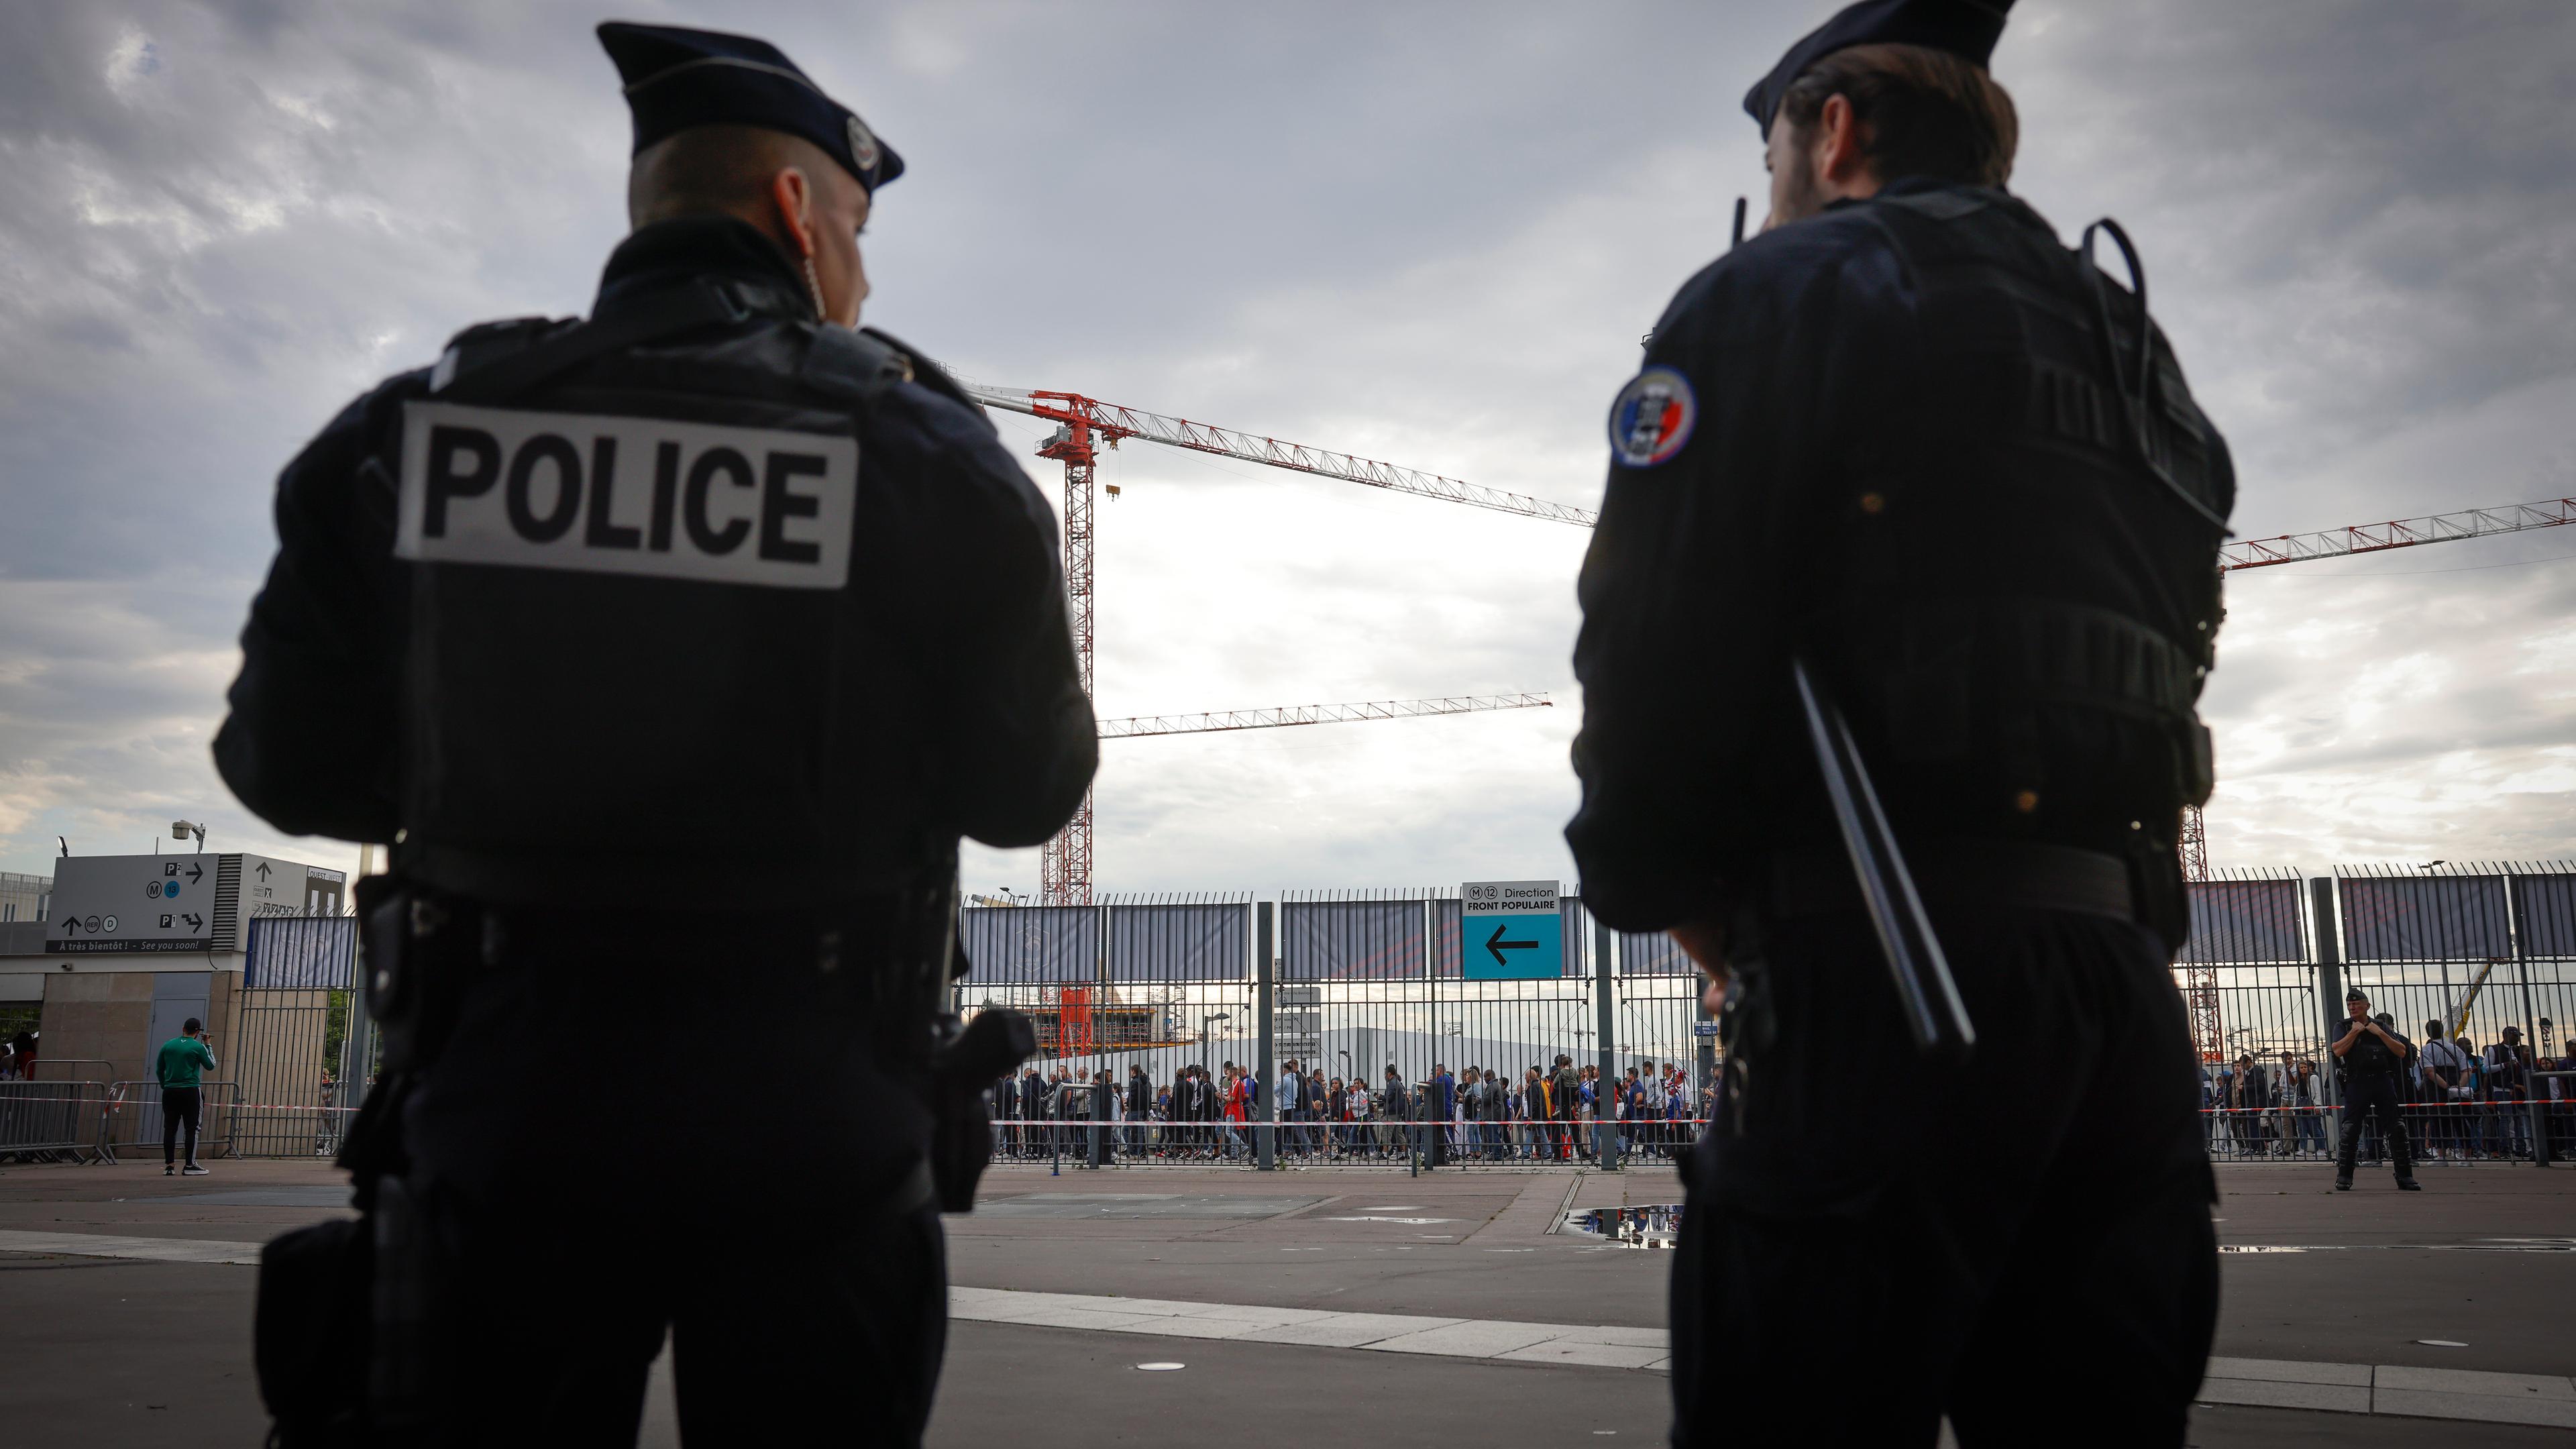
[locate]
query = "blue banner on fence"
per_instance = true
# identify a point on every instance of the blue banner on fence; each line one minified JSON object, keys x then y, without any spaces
{"x":2431,"y":918}
{"x":300,"y":953}
{"x":2544,"y":909}
{"x":1651,"y":953}
{"x":2244,"y":922}
{"x":1030,"y":944}
{"x":1351,"y":940}
{"x":1178,"y":942}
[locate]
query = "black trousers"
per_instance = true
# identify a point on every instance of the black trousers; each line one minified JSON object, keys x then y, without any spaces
{"x":757,"y":1213}
{"x":2372,"y":1095}
{"x":2022,"y":1243}
{"x":179,"y":1107}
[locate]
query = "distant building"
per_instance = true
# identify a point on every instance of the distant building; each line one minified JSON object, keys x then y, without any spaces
{"x":25,"y":897}
{"x":131,"y":946}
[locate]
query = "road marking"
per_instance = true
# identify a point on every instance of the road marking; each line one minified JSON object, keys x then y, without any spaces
{"x":2386,"y":1389}
{"x":2501,"y":1245}
{"x":155,"y":1250}
{"x":1415,"y":1221}
{"x":1561,"y":1343}
{"x":2393,"y":1389}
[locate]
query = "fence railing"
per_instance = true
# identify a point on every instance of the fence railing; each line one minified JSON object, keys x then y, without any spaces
{"x":50,"y":1120}
{"x":1351,"y":983}
{"x":1392,"y":1142}
{"x":132,"y":1118}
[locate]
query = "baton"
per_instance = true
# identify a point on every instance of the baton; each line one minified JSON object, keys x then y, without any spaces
{"x":1933,"y":1010}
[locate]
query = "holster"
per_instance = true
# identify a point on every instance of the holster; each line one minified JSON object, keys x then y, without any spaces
{"x":343,"y":1305}
{"x":965,"y":1062}
{"x":1747,"y":1023}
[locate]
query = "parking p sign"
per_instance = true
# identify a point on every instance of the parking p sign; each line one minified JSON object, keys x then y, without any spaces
{"x":1511,"y":930}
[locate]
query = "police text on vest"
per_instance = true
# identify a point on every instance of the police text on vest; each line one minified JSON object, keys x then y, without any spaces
{"x":625,"y":495}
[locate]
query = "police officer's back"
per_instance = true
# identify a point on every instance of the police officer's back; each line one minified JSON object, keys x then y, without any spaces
{"x":1909,"y":435}
{"x":673,"y":650}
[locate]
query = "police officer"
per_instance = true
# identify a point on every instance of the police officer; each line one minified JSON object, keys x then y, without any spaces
{"x":673,"y":650}
{"x":1910,"y":436}
{"x":2371,"y":1057}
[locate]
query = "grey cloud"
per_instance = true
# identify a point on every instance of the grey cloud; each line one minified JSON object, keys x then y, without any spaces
{"x":1430,"y":234}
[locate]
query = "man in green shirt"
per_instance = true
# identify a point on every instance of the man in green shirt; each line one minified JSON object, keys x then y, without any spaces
{"x":182,"y":1058}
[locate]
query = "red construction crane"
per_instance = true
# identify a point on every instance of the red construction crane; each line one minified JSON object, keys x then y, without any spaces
{"x":2200,"y":988}
{"x":1086,"y":425}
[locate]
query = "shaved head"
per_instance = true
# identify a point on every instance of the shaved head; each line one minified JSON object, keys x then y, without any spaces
{"x":785,"y":185}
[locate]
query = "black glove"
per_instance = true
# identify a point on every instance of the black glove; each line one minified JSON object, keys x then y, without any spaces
{"x":961,"y":1067}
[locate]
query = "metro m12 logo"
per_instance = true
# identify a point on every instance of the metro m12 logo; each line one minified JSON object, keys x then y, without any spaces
{"x":625,"y":495}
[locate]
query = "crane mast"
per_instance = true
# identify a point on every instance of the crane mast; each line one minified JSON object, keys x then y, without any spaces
{"x":1064,"y":867}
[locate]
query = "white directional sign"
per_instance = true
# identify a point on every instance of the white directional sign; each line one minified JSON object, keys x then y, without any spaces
{"x":132,"y":903}
{"x":273,"y":887}
{"x":195,"y":902}
{"x":1510,"y":930}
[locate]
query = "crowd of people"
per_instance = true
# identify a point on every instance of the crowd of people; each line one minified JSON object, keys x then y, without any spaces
{"x":1550,"y":1113}
{"x":2461,"y":1102}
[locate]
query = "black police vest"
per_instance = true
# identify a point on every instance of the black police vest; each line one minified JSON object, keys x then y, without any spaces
{"x":628,"y":677}
{"x":2022,"y":560}
{"x":2370,"y":1055}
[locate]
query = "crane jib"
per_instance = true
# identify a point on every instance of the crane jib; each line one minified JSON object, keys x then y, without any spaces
{"x":1112,"y":422}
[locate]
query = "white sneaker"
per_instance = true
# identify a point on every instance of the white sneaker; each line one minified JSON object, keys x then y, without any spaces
{"x":192,"y":1170}
{"x":169,"y":1169}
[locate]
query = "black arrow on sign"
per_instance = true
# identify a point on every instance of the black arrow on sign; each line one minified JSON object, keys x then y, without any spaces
{"x":195,"y":871}
{"x":195,"y":922}
{"x":1496,"y":944}
{"x":263,"y":870}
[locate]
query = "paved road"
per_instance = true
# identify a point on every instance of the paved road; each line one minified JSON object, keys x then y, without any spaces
{"x":116,"y":1352}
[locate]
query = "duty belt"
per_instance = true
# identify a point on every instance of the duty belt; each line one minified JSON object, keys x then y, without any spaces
{"x":2014,"y":875}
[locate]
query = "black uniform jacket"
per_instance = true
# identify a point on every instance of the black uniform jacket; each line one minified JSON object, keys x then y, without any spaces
{"x":962,"y":713}
{"x":1804,"y":348}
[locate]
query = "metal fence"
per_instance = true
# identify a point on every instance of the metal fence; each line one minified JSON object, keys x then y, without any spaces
{"x":132,"y":1118}
{"x":1367,"y":987}
{"x":297,"y":1082}
{"x":48,"y":1121}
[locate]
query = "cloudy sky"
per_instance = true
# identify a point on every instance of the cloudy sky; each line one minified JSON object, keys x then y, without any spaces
{"x":1428,"y":233}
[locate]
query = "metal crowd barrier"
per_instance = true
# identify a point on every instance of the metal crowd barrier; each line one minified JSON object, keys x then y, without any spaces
{"x":36,"y":1072}
{"x":2469,"y":1130}
{"x":2503,"y":1130}
{"x":131,"y":1118}
{"x":2256,"y":1134}
{"x":1366,"y":1142}
{"x":263,"y":1129}
{"x":2553,"y":1121}
{"x":47,"y":1121}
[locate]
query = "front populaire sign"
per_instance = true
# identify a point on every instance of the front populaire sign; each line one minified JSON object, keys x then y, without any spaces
{"x":1510,"y":931}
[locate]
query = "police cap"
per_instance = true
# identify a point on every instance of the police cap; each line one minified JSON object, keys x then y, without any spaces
{"x":2357,"y":994}
{"x":1967,"y":29}
{"x":677,"y":78}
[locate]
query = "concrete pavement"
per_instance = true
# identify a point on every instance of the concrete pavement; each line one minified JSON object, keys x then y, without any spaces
{"x":115,"y":1350}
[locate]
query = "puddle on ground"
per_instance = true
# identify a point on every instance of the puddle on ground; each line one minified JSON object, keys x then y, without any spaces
{"x":2492,"y":1245}
{"x":1655,"y":1225}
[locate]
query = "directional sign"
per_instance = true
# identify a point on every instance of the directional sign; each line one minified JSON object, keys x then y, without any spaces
{"x":127,"y":903}
{"x":113,"y":903}
{"x":1510,"y":930}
